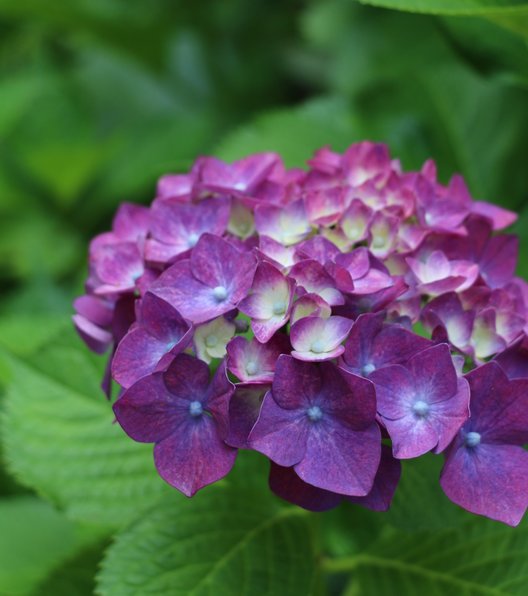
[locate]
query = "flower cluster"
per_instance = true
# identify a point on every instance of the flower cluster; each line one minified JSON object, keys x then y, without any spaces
{"x":336,"y":319}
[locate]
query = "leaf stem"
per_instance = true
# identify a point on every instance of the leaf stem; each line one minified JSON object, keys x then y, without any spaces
{"x":340,"y":565}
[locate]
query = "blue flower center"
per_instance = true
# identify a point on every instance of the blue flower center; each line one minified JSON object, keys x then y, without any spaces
{"x":219,"y":293}
{"x":472,"y":439}
{"x":279,"y":308}
{"x":421,"y":408}
{"x":367,"y":369}
{"x":171,"y":345}
{"x":251,"y":368}
{"x":211,"y":341}
{"x":314,"y":413}
{"x":195,"y":409}
{"x":318,"y":347}
{"x":192,"y":239}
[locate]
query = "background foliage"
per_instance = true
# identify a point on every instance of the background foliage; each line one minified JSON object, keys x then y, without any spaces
{"x":98,"y":98}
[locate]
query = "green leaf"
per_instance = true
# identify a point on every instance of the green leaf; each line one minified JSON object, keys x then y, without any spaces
{"x":419,"y":502}
{"x":75,"y":577}
{"x":59,"y":438}
{"x":510,"y":14}
{"x":226,"y":541}
{"x":34,"y":539}
{"x":462,"y":7}
{"x":294,"y":133}
{"x":481,"y":558}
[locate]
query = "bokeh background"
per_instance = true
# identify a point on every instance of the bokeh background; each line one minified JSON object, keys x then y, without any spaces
{"x":100,"y":97}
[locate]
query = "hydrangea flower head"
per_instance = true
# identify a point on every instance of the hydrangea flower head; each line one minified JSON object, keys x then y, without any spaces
{"x":306,"y":314}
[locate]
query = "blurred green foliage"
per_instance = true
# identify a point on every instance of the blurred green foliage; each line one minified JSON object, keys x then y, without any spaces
{"x":100,"y":97}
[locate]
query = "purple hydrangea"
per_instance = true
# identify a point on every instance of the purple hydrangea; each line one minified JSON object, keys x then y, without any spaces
{"x":486,"y":468}
{"x":338,"y":305}
{"x":185,"y":415}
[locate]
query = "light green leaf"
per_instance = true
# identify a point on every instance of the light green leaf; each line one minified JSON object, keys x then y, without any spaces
{"x":59,"y":438}
{"x":34,"y":539}
{"x":224,"y":542}
{"x":481,"y":558}
{"x":462,"y":7}
{"x":510,"y":14}
{"x":294,"y":133}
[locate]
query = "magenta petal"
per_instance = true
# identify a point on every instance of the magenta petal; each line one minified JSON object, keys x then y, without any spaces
{"x":490,"y":480}
{"x":195,"y":457}
{"x":387,"y":477}
{"x":254,"y":362}
{"x":136,"y":356}
{"x":500,"y":218}
{"x":97,"y":339}
{"x":319,"y":339}
{"x":285,"y":483}
{"x":215,"y":262}
{"x":312,"y":277}
{"x":180,"y":225}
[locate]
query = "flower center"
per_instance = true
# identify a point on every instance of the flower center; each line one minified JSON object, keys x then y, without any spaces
{"x":367,"y":369}
{"x":195,"y":409}
{"x":318,"y":347}
{"x":211,"y":341}
{"x":314,"y":413}
{"x":279,"y":308}
{"x":220,"y":293}
{"x":472,"y":439}
{"x":421,"y":408}
{"x":251,"y":367}
{"x":192,"y":239}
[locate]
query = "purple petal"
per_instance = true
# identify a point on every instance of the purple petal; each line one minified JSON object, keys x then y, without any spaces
{"x":194,"y":456}
{"x":312,"y":277}
{"x":216,"y":263}
{"x":97,"y":339}
{"x":279,"y":433}
{"x":148,"y":412}
{"x":340,"y":459}
{"x":499,"y":406}
{"x":285,"y":483}
{"x":490,"y":480}
{"x":387,"y":477}
{"x":244,"y":409}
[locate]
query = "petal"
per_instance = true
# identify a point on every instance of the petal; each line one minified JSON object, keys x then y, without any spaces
{"x":244,"y":409}
{"x":137,"y":355}
{"x":319,"y":336}
{"x":285,"y":483}
{"x":194,"y":457}
{"x":387,"y":477}
{"x":148,"y":412}
{"x":280,"y":434}
{"x":340,"y":459}
{"x":490,"y":480}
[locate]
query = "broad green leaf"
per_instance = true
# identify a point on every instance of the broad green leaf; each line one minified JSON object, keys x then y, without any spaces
{"x":75,"y":577}
{"x":419,"y":502}
{"x":18,"y":94}
{"x":294,"y":133}
{"x":33,"y":540}
{"x":223,"y":542}
{"x":24,"y":333}
{"x":481,"y":558}
{"x":510,"y":14}
{"x":59,"y":438}
{"x":463,"y":7}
